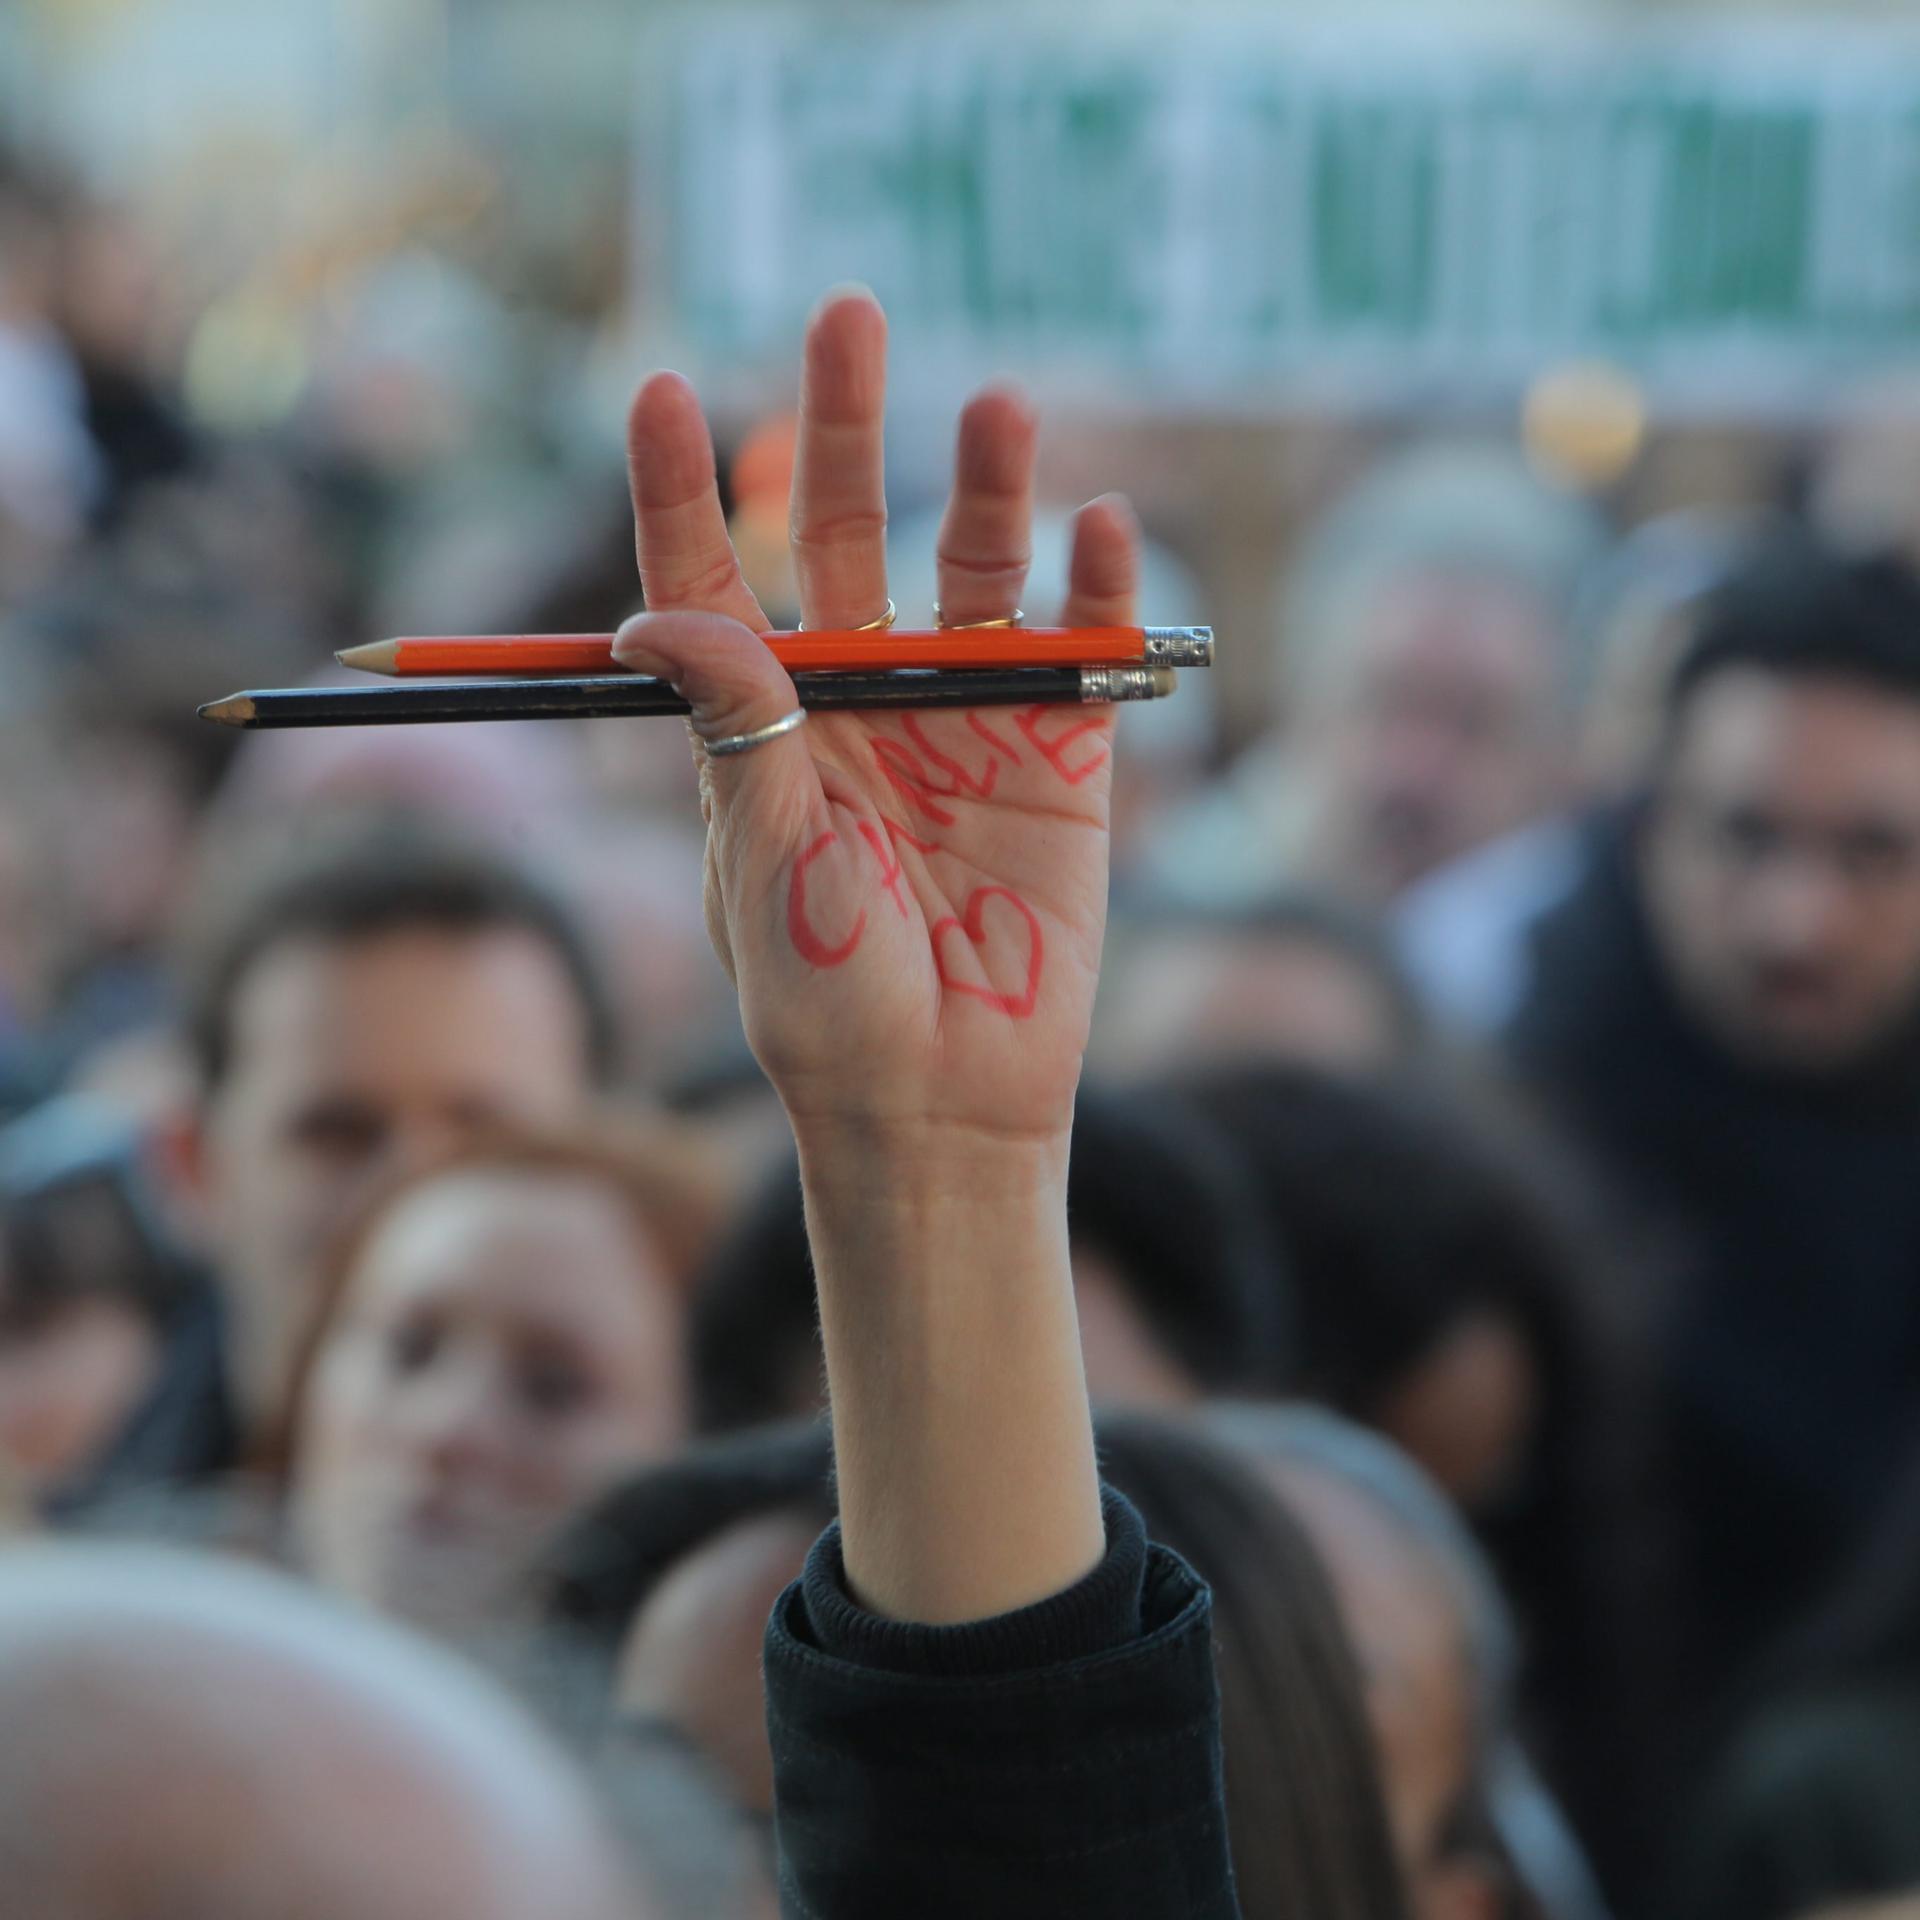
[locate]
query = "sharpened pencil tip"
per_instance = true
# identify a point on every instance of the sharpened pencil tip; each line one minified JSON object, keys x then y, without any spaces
{"x":374,"y":656}
{"x":236,"y":710}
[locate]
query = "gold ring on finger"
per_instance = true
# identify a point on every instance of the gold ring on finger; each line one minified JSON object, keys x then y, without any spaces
{"x":866,"y":626}
{"x":940,"y":620}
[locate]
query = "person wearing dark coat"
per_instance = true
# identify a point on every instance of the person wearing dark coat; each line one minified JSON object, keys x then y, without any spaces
{"x":1812,"y":1805}
{"x":1727,"y":1012}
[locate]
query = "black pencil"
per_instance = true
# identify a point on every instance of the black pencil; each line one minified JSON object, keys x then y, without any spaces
{"x":414,"y":702}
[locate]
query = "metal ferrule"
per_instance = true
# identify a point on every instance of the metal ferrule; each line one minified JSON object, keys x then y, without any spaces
{"x":1125,"y":683}
{"x":1179,"y":646}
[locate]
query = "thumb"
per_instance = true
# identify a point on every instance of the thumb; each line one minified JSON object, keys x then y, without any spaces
{"x":728,"y":675}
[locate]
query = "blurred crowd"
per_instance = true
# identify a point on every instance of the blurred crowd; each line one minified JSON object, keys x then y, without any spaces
{"x":1495,"y":1198}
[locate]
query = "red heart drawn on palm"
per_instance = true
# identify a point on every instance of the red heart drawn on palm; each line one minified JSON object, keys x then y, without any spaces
{"x":971,"y":921}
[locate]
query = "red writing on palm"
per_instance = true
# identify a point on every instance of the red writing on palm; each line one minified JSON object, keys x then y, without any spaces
{"x":926,"y":774}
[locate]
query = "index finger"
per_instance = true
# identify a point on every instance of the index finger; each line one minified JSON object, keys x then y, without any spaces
{"x":686,"y":555}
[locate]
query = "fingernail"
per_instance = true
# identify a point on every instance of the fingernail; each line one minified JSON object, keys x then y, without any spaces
{"x":846,"y":290}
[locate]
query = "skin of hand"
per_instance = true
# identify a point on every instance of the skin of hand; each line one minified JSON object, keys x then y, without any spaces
{"x":911,"y":907}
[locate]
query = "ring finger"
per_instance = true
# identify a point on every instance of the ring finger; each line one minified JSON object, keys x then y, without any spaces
{"x":986,"y":536}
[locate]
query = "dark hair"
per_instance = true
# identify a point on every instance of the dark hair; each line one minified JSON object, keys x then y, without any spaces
{"x":81,"y":1241}
{"x":1404,"y":1209}
{"x":1399,"y":1212}
{"x":605,"y":1565}
{"x":1804,"y":608}
{"x":1289,"y":916}
{"x":1867,"y":1635}
{"x":1152,"y":1189}
{"x":1308,"y":1824}
{"x":77,"y":1221}
{"x":1312,"y":918}
{"x":376,"y":881}
{"x":1808,"y":1805}
{"x":1504,"y":1815}
{"x":1306,"y":1816}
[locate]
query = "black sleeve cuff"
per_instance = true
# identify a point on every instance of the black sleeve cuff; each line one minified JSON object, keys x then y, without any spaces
{"x":1101,"y":1612}
{"x":1064,"y":1759}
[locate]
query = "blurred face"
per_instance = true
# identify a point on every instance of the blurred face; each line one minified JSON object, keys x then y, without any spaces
{"x":1782,"y":867}
{"x":126,"y":825}
{"x":1126,"y":1363}
{"x":1272,"y":995}
{"x":349,"y":1058}
{"x":69,"y":1376}
{"x":692,"y":1659}
{"x":23,"y":919}
{"x":1442,"y":733}
{"x":506,"y":1346}
{"x":1295,"y":999}
{"x":1467,"y":1409}
{"x":1411,"y":1646}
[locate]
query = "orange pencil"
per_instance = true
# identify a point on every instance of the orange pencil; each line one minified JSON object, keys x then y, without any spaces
{"x":449,"y":656}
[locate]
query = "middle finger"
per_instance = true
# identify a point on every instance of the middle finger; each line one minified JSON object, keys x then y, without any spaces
{"x":839,"y":511}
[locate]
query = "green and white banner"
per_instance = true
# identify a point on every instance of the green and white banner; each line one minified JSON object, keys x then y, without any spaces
{"x":1230,"y":216}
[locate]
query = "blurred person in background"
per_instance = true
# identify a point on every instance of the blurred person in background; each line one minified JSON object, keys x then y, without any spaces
{"x":1446,"y":1297}
{"x":1464,"y":932}
{"x":726,"y":1100}
{"x":1641,"y":608}
{"x":1864,"y":475}
{"x":1429,"y":688}
{"x":1297,"y":977}
{"x":1439,"y":1652}
{"x":634,"y":880}
{"x":674,"y":1570}
{"x":358,"y":1004}
{"x":1179,"y":1286}
{"x":91,"y":1296}
{"x":50,"y":474}
{"x":498,"y":1336}
{"x":1727,"y":1012}
{"x":1307,"y":1815}
{"x":24,"y":963}
{"x":112,"y":775}
{"x":189,"y":1736}
{"x":116,"y":832}
{"x":1811,"y":1803}
{"x":111,"y":308}
{"x":666,"y":1582}
{"x":627,"y":869}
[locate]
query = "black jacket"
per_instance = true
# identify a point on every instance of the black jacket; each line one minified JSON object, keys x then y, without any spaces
{"x":1059,"y":1761}
{"x":1818,"y":1804}
{"x":1786,"y":1210}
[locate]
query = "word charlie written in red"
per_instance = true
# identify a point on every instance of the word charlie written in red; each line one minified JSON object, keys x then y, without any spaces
{"x":926,"y":776}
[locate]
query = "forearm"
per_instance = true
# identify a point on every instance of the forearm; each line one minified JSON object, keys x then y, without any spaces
{"x":962,"y":1435}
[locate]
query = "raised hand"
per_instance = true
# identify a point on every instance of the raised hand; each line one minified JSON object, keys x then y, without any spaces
{"x":912,"y":905}
{"x":912,"y":908}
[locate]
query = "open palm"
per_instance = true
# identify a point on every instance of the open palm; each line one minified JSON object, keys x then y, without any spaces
{"x":911,"y":905}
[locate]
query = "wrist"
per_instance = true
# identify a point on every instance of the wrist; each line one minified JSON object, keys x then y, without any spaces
{"x":962,"y":1436}
{"x":897,"y":1168}
{"x":911,"y":1215}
